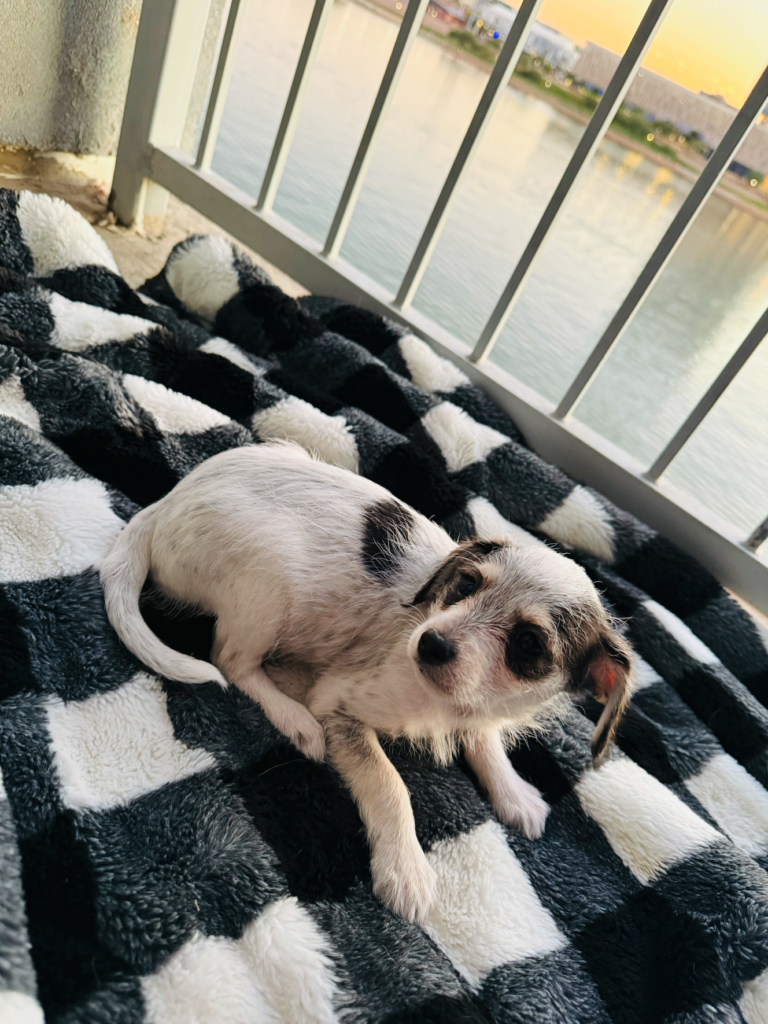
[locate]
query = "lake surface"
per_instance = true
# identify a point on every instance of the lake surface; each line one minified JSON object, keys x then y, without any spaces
{"x":710,"y":295}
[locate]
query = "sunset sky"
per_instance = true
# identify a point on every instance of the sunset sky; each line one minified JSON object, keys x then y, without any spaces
{"x":708,"y":45}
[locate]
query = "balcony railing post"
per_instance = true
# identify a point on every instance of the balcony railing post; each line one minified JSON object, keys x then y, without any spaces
{"x":293,"y":104}
{"x":220,"y":84}
{"x":502,"y":69}
{"x":759,"y":536}
{"x":168,"y":45}
{"x":710,"y":397}
{"x":409,"y":28}
{"x":588,"y":143}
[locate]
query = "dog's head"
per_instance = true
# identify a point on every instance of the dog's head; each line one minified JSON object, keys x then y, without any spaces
{"x":508,"y":628}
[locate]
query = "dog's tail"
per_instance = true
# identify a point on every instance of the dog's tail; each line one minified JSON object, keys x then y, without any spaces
{"x":122,"y":574}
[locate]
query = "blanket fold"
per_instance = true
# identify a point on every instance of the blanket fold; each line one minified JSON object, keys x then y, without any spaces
{"x":166,"y":856}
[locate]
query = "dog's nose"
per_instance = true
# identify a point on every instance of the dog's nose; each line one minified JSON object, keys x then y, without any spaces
{"x":435,"y":649}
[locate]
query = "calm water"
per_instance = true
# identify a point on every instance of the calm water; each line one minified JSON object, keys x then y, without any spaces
{"x":710,"y":295}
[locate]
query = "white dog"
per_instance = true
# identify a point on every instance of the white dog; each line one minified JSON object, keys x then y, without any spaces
{"x":316,"y":574}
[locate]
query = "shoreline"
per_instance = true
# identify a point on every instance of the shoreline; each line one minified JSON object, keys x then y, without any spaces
{"x":723,"y":191}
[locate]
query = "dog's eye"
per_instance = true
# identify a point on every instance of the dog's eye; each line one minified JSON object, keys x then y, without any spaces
{"x":467,"y":586}
{"x":528,"y":644}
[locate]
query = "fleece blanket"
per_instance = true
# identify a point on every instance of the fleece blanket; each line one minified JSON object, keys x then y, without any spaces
{"x":165,"y":856}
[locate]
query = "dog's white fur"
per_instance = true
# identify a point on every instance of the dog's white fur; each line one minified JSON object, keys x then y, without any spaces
{"x":323,"y":585}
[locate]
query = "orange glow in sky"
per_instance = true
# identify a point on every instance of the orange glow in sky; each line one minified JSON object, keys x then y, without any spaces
{"x":716,"y":46}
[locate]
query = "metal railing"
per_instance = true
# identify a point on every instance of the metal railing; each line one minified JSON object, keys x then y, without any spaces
{"x":149,"y":162}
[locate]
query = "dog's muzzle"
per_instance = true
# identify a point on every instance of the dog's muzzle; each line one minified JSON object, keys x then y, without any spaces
{"x":435,"y":650}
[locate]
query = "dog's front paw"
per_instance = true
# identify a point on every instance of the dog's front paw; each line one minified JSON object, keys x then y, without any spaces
{"x":522,"y":807}
{"x":305,"y":732}
{"x":404,"y":881}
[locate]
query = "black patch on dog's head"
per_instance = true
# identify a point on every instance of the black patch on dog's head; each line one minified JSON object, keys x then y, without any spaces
{"x":386,"y":534}
{"x":465,"y":556}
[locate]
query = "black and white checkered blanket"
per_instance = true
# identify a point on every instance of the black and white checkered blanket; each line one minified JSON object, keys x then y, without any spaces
{"x":166,"y":857}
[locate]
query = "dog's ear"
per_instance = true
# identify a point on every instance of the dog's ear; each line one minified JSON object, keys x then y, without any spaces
{"x":605,"y":672}
{"x":470,"y":552}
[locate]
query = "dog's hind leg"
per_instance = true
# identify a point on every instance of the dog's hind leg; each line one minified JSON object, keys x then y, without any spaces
{"x":292,"y":719}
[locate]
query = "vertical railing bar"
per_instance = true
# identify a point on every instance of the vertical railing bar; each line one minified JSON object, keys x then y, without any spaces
{"x":409,"y":28}
{"x":505,"y":65}
{"x":711,"y":396}
{"x":166,"y":56}
{"x":290,"y":118}
{"x":220,"y":85}
{"x":758,"y":536}
{"x":153,"y":41}
{"x":704,"y":185}
{"x":588,"y":143}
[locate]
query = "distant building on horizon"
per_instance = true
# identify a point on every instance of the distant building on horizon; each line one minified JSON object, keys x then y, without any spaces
{"x":717,"y":97}
{"x":446,"y":12}
{"x":553,"y":47}
{"x":663,"y":100}
{"x":496,"y":18}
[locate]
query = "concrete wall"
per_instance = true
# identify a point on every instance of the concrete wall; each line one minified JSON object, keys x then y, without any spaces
{"x":64,"y":69}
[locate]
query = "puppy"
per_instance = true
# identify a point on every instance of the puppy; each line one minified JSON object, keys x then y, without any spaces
{"x":315,"y":573}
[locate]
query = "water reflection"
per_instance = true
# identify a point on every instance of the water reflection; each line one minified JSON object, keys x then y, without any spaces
{"x":710,"y":295}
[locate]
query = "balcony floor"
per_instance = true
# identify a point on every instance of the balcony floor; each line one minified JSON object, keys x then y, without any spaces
{"x":140,"y":256}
